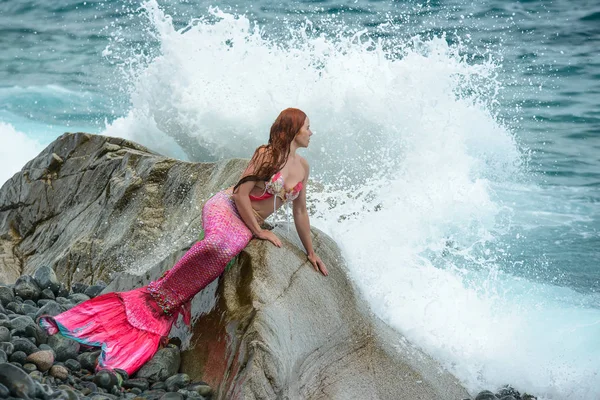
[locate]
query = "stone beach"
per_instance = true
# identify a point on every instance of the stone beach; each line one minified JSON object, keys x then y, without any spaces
{"x":35,"y":365}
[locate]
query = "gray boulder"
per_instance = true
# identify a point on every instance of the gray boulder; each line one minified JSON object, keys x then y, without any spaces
{"x":27,"y":288}
{"x":46,"y":279}
{"x":64,"y":348}
{"x":6,"y":295}
{"x":17,"y":381}
{"x":52,"y":309}
{"x":164,"y":364}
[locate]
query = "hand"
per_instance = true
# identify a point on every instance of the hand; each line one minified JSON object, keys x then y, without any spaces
{"x":318,"y":265}
{"x":270,"y":236}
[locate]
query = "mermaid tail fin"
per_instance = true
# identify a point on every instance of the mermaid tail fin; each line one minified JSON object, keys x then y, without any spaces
{"x":127,"y":326}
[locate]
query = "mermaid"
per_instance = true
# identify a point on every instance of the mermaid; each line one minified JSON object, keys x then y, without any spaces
{"x":130,"y":326}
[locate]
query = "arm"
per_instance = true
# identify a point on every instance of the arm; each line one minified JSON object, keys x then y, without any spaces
{"x":242,"y":202}
{"x":302,"y":223}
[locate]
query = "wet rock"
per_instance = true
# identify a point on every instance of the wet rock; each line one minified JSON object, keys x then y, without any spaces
{"x":18,"y":357}
{"x":88,"y":360}
{"x":486,"y":395}
{"x":30,"y":303}
{"x":153,"y":394}
{"x":159,"y":386}
{"x":41,"y":337}
{"x":124,"y":375}
{"x":43,"y":390}
{"x":63,"y":301}
{"x":17,"y":381}
{"x":14,"y":307}
{"x":509,"y":397}
{"x":37,"y":375}
{"x":176,"y":382}
{"x":4,"y":334}
{"x":64,"y":348}
{"x":46,"y":347}
{"x":103,"y":396}
{"x":46,"y":278}
{"x":105,"y":379}
{"x":7,"y":347}
{"x":24,"y":345}
{"x":47,"y":294}
{"x":73,"y":365}
{"x":4,"y":392}
{"x":52,"y":309}
{"x":65,"y":394}
{"x":79,"y":287}
{"x":62,"y":291}
{"x":43,"y":360}
{"x":528,"y":397}
{"x":3,"y":357}
{"x":164,"y":364}
{"x":26,"y":309}
{"x":172,"y":396}
{"x":29,"y":367}
{"x":20,"y":323}
{"x":77,"y":298}
{"x":59,"y":372}
{"x":139,"y":383}
{"x":508,"y":391}
{"x":27,"y":288}
{"x":7,"y":295}
{"x":94,"y":290}
{"x":202,"y":388}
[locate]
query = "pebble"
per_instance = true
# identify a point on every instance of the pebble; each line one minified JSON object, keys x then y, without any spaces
{"x":4,"y":334}
{"x":29,"y":367}
{"x":59,"y":372}
{"x":24,"y":345}
{"x":18,"y":357}
{"x":42,"y":359}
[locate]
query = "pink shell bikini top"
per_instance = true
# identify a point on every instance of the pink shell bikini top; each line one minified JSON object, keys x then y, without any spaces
{"x":276,"y":187}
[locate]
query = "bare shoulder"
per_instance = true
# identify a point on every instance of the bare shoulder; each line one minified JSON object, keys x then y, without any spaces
{"x":305,"y":165}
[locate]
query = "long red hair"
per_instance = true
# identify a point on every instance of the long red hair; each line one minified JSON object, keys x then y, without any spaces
{"x":268,"y":159}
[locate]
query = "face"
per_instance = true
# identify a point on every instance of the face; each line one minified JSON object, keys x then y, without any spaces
{"x":303,"y":136}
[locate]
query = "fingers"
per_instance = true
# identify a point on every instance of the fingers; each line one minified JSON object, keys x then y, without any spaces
{"x":314,"y":264}
{"x":322,"y":268}
{"x":275,"y":240}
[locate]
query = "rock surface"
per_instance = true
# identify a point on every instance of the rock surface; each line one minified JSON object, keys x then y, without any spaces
{"x":90,"y":206}
{"x":272,"y":328}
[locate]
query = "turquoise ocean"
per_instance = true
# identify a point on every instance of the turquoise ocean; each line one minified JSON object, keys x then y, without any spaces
{"x":456,"y":147}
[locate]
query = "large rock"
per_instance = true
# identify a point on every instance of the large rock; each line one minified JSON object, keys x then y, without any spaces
{"x":271,"y":327}
{"x":89,"y":205}
{"x":17,"y":381}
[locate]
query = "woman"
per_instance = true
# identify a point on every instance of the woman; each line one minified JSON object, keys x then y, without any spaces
{"x":129,"y":326}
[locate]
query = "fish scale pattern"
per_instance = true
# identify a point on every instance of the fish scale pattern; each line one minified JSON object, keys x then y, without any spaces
{"x":225,"y":236}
